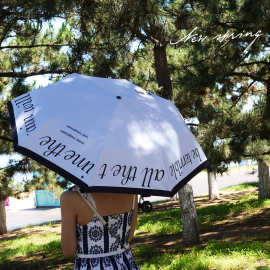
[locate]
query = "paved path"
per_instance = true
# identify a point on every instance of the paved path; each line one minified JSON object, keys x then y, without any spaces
{"x":23,"y":217}
{"x":236,"y":176}
{"x":19,"y":218}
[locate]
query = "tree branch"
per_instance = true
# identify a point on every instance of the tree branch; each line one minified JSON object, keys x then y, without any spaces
{"x":245,"y":74}
{"x":140,"y":35}
{"x":6,"y":139}
{"x":232,"y":25}
{"x":242,"y":93}
{"x":33,"y":46}
{"x":6,"y":29}
{"x":34,"y":73}
{"x":19,"y":165}
{"x":255,"y":63}
{"x":260,"y":154}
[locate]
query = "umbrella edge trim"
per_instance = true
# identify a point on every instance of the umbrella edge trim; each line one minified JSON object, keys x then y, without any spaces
{"x":12,"y":123}
{"x":50,"y":165}
{"x":150,"y":192}
{"x":185,"y":180}
{"x":84,"y":186}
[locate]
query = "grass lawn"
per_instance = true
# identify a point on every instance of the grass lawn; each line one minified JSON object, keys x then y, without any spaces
{"x":234,"y":233}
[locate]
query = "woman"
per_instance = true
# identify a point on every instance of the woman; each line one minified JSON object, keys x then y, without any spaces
{"x":97,"y":228}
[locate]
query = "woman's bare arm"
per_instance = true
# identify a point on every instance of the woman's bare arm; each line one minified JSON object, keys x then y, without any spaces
{"x":68,"y":228}
{"x":134,"y":220}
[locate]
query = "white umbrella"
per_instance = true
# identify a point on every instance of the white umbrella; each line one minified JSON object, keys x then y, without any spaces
{"x":106,"y":135}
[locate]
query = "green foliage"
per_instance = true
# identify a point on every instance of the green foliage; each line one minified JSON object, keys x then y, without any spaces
{"x":223,"y":256}
{"x":39,"y":246}
{"x":160,"y":222}
{"x":244,"y":186}
{"x":209,"y":80}
{"x":218,"y":77}
{"x":24,"y":246}
{"x":19,"y":88}
{"x":202,"y":74}
{"x":168,"y":222}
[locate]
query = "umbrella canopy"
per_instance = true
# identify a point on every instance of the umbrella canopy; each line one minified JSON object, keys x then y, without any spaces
{"x":106,"y":135}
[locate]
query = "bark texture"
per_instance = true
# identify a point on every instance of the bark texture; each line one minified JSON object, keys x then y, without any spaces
{"x":264,"y":180}
{"x":187,"y":205}
{"x":3,"y":226}
{"x":212,"y":186}
{"x":188,"y":216}
{"x":162,"y":72}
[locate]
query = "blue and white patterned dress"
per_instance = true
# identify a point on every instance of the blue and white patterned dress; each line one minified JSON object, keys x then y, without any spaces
{"x":105,"y":247}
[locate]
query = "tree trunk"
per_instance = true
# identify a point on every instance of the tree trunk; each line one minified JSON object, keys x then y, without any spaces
{"x":265,"y":129}
{"x":264,"y":180}
{"x":188,"y":216}
{"x":3,"y":224}
{"x":187,"y":206}
{"x":212,"y":185}
{"x":162,"y":72}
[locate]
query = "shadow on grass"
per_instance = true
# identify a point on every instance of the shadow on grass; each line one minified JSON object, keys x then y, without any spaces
{"x":207,"y":215}
{"x":252,"y":228}
{"x":49,"y":256}
{"x":244,"y":241}
{"x":237,"y":220}
{"x":27,"y":231}
{"x":31,"y":256}
{"x":37,"y":262}
{"x":205,"y":257}
{"x":210,"y":214}
{"x":158,"y":216}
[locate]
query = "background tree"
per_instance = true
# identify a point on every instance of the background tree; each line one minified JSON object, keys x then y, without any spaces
{"x":151,"y":24}
{"x":228,"y":55}
{"x":208,"y":80}
{"x":26,"y":49}
{"x":30,"y":46}
{"x":96,"y":44}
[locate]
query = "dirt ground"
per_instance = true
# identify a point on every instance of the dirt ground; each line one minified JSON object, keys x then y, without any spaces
{"x":254,"y":226}
{"x":234,"y":228}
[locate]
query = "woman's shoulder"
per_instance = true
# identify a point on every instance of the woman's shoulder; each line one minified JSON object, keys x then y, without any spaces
{"x":68,"y":196}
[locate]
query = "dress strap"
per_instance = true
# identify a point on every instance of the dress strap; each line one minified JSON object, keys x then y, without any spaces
{"x":90,"y":197}
{"x":133,"y":202}
{"x":91,"y":203}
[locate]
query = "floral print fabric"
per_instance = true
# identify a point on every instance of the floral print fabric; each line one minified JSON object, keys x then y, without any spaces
{"x":105,"y":246}
{"x":122,"y":261}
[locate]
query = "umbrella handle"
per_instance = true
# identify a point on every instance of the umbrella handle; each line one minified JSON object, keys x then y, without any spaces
{"x":93,"y":209}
